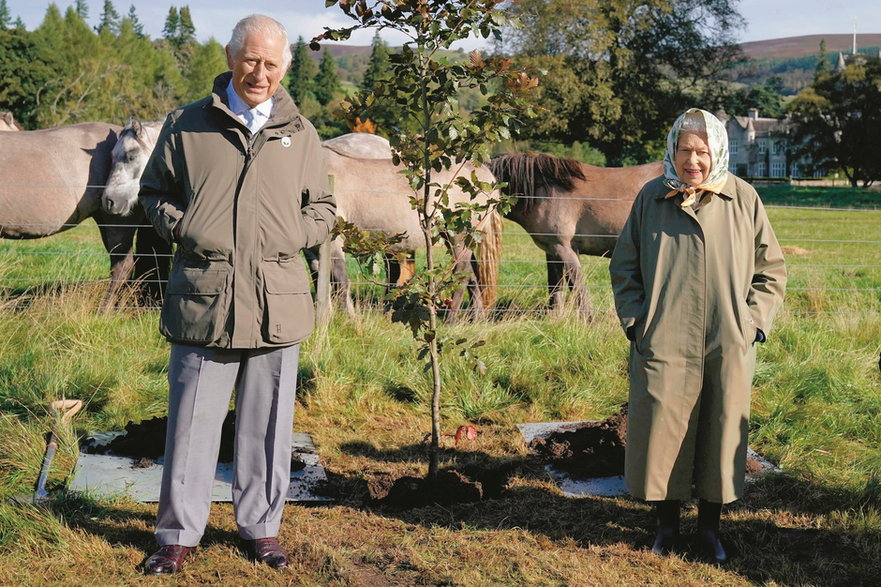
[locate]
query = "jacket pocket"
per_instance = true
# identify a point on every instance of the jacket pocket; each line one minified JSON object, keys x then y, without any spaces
{"x":197,"y":302}
{"x":290,"y":314}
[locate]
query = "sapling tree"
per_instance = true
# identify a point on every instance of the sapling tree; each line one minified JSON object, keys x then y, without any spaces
{"x":423,"y":86}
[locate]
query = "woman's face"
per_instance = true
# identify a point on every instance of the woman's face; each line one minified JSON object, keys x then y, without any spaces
{"x":693,"y":161}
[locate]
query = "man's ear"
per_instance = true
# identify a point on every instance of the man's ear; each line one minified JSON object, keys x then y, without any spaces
{"x":229,"y":59}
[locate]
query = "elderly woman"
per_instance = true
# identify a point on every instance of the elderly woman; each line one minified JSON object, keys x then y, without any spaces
{"x":697,"y":276}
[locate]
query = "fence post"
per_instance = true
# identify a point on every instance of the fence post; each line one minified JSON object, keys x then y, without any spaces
{"x":322,"y":288}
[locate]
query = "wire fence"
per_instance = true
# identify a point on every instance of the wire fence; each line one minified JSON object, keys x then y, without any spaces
{"x":28,"y":267}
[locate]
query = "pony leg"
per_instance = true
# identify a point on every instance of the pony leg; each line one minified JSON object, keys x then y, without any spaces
{"x":339,"y":277}
{"x":577,"y":282}
{"x":470,"y":284}
{"x":556,"y":284}
{"x":118,"y":235}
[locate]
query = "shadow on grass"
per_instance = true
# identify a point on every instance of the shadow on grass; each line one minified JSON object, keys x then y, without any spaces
{"x":119,"y":523}
{"x":773,"y":534}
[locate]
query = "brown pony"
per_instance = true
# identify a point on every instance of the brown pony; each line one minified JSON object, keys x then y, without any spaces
{"x":570,"y":208}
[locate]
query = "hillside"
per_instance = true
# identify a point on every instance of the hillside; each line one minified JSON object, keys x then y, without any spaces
{"x":792,"y":59}
{"x":806,"y":45}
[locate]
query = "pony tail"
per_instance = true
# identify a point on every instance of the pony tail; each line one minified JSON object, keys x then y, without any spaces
{"x":489,"y":250}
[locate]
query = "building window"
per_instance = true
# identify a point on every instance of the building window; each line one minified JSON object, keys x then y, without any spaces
{"x":778,"y":170}
{"x":777,"y":148}
{"x":732,"y":146}
{"x":795,"y":170}
{"x":819,"y":172}
{"x":763,"y":148}
{"x":760,"y":169}
{"x":732,"y":168}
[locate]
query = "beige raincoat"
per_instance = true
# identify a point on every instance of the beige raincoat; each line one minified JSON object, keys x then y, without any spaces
{"x":695,"y":286}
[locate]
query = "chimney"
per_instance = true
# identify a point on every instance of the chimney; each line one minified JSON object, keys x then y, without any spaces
{"x":754,"y":113}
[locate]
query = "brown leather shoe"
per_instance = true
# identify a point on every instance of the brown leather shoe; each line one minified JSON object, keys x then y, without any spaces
{"x":166,"y":560}
{"x":269,"y":552}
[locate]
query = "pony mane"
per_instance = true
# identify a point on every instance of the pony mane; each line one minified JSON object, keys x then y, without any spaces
{"x":525,"y":173}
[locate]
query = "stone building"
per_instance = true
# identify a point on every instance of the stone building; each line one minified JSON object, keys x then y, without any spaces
{"x":761,"y":147}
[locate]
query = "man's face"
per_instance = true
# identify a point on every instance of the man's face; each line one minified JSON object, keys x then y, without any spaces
{"x":257,"y":69}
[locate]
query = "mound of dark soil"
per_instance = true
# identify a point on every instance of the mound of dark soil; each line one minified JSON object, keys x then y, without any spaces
{"x":468,"y":484}
{"x":589,"y":449}
{"x":447,"y":488}
{"x":145,"y":442}
{"x":596,"y":449}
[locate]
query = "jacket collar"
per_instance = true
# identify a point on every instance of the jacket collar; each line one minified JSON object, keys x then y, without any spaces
{"x":284,"y":111}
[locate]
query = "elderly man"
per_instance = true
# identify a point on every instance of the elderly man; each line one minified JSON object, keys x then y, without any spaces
{"x":237,"y":181}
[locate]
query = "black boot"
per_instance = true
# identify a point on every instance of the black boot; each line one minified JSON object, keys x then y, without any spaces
{"x":711,"y":549}
{"x":667,"y":534}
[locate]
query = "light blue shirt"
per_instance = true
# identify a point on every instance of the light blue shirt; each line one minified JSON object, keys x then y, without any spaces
{"x":254,"y":118}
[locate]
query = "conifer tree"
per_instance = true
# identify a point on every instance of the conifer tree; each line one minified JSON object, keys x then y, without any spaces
{"x":172,"y":21}
{"x":301,"y":79}
{"x":5,"y":18}
{"x":378,"y":66}
{"x":186,"y":31}
{"x":82,"y":9}
{"x":109,"y":19}
{"x":132,"y":16}
{"x":328,"y":81}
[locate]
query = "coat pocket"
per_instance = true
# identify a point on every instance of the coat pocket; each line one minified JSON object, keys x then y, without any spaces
{"x":290,"y":313}
{"x":197,"y":302}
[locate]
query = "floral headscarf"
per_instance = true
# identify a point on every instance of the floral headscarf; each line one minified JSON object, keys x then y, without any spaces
{"x":717,"y":138}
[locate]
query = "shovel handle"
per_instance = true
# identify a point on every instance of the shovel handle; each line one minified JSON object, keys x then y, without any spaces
{"x":51,"y":448}
{"x":69,"y":407}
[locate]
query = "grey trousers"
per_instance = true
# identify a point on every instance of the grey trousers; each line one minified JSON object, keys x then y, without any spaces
{"x":201,"y":381}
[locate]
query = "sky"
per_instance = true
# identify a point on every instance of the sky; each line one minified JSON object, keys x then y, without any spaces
{"x":766,"y":19}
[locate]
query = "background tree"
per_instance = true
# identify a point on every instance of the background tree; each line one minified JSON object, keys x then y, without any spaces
{"x":382,"y":113}
{"x":5,"y":16}
{"x":109,"y":21}
{"x":425,"y":87}
{"x":378,"y":66}
{"x":81,"y":7}
{"x":186,"y":30}
{"x":26,"y":67}
{"x":327,"y":82}
{"x":838,"y":120}
{"x":617,"y":73}
{"x":172,"y":21}
{"x":767,"y":98}
{"x":206,"y":62}
{"x":136,"y":25}
{"x":301,"y":77}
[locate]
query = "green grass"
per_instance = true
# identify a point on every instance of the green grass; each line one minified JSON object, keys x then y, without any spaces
{"x":363,"y":398}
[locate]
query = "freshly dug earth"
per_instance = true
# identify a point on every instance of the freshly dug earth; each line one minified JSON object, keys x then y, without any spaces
{"x":466,"y":485}
{"x":145,"y":442}
{"x":588,"y":449}
{"x":596,"y":449}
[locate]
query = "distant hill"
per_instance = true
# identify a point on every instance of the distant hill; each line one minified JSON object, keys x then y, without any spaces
{"x":793,"y":59}
{"x":806,"y":45}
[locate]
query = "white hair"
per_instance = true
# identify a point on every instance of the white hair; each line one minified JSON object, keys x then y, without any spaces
{"x":263,"y":25}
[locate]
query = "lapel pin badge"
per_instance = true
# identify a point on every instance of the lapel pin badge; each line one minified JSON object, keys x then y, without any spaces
{"x":286,"y":141}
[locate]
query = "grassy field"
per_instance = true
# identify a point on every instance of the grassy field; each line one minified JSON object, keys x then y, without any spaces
{"x":816,"y":407}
